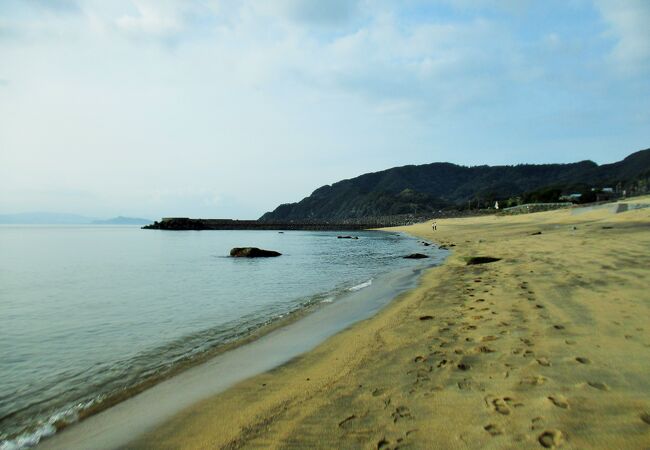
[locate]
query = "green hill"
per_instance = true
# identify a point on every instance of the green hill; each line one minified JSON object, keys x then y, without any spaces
{"x":431,"y":187}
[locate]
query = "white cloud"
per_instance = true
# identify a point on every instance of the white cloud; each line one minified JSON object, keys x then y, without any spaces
{"x":430,"y":66}
{"x":629,"y":24}
{"x":167,"y":18}
{"x":151,"y":19}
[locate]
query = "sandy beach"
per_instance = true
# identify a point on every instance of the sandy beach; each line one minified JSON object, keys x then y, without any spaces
{"x":548,"y":347}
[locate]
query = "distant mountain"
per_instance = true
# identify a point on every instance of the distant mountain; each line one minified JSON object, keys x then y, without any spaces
{"x":121,"y":220}
{"x":50,"y":218}
{"x":45,"y":218}
{"x":430,"y":187}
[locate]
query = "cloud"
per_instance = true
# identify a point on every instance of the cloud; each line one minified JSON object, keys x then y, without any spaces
{"x":328,"y":13}
{"x":63,"y":6}
{"x":423,"y":68}
{"x":628,"y":23}
{"x":167,"y":18}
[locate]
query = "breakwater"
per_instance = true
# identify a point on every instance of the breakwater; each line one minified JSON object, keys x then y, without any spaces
{"x":185,"y":223}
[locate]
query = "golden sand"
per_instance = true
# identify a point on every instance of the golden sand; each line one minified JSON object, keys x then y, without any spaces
{"x":548,"y":347}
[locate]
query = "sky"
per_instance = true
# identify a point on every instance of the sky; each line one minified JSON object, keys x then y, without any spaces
{"x":223,"y":108}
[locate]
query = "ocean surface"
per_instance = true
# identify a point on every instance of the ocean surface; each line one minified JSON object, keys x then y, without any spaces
{"x":89,"y":312}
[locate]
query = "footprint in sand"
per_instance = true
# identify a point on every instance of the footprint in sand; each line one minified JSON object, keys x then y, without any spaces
{"x":346,"y":421}
{"x":598,"y":385}
{"x":527,"y":341}
{"x":551,"y":438}
{"x":537,"y":423}
{"x":645,"y":417}
{"x":493,"y":429}
{"x":502,"y":405}
{"x":377,"y":392}
{"x":583,"y":360}
{"x":543,"y":361}
{"x":535,"y":380}
{"x":559,"y":400}
{"x":383,"y":443}
{"x":485,"y":349}
{"x":401,"y":412}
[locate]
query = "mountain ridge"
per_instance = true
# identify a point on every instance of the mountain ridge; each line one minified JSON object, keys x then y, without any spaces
{"x":441,"y":185}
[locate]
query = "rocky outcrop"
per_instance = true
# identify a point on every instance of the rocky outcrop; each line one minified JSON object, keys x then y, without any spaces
{"x":415,"y":256}
{"x":482,"y":260}
{"x":253,"y":252}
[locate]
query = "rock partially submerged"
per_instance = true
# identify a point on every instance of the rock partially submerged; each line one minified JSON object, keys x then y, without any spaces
{"x":252,"y":252}
{"x":481,"y":260}
{"x":347,"y":237}
{"x":415,"y":256}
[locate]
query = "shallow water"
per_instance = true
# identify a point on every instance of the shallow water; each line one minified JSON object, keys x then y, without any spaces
{"x":88,"y":311}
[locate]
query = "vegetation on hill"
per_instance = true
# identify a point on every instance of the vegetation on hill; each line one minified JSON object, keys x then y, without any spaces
{"x":431,"y":187}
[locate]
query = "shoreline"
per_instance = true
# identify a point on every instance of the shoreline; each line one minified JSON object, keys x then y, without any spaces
{"x":547,"y":347}
{"x":120,"y":420}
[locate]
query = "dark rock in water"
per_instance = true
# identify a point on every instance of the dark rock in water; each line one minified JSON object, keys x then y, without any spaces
{"x":481,"y":260}
{"x":415,"y":256}
{"x":426,"y":244}
{"x":347,"y":237}
{"x":536,"y":233}
{"x":252,"y":252}
{"x":443,"y":247}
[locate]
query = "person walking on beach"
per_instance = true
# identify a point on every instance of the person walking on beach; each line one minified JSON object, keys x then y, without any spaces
{"x":434,"y":226}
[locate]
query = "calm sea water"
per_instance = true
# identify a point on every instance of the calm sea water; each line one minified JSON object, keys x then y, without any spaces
{"x":87,"y":312}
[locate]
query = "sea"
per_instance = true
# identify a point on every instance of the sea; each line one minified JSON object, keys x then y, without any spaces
{"x":89,"y":314}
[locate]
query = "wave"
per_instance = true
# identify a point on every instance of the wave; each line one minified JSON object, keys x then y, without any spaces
{"x":358,"y":287}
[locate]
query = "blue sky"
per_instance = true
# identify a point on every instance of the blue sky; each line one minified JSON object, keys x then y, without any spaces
{"x":218,"y":108}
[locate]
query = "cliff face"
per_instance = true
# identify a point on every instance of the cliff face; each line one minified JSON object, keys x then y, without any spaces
{"x":427,"y":188}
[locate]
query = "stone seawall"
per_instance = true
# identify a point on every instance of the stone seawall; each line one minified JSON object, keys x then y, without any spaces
{"x":362,"y":223}
{"x":226,"y":224}
{"x":183,"y":223}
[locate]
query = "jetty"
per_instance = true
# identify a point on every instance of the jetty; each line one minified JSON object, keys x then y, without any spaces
{"x":185,"y":223}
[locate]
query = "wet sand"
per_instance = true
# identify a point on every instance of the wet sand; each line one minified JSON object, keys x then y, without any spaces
{"x":548,"y":347}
